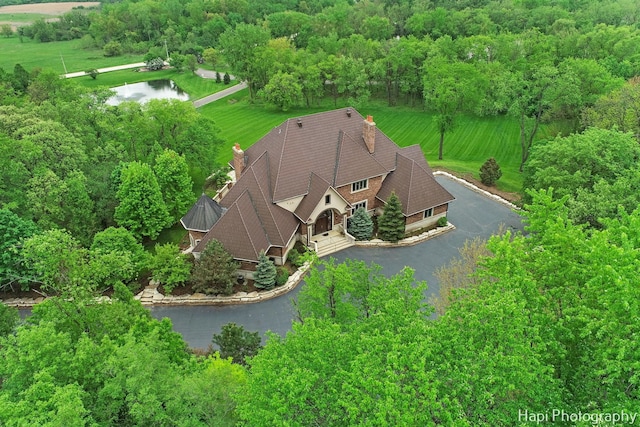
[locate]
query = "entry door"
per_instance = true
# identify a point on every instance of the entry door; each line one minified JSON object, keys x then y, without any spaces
{"x":323,"y":223}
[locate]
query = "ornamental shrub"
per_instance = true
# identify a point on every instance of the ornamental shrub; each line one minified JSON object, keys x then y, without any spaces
{"x":391,"y":225}
{"x":265,"y":275}
{"x":442,"y":221}
{"x":282,"y":277}
{"x":360,"y":225}
{"x":490,"y":172}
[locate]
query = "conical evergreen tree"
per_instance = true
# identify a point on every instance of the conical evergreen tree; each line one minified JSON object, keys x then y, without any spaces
{"x":265,"y":275}
{"x":360,"y":225}
{"x":391,"y":224}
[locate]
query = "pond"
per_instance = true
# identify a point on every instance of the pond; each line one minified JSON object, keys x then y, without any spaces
{"x":145,"y":91}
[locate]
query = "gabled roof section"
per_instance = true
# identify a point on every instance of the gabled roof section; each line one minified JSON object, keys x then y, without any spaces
{"x":317,"y":189}
{"x":202,"y":215}
{"x":312,"y":144}
{"x":354,"y":162}
{"x":414,"y":152}
{"x":251,"y":215}
{"x":239,"y":230}
{"x":416,"y":187}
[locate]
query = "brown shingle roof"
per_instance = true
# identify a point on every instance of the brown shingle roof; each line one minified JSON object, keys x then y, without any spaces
{"x":414,"y":185}
{"x":291,"y":161}
{"x":295,"y":151}
{"x":317,"y":188}
{"x":252,"y":213}
{"x":239,"y":230}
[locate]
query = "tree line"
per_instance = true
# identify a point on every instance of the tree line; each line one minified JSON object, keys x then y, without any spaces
{"x":525,"y":326}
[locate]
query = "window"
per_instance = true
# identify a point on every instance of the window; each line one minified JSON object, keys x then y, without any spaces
{"x":428,"y":213}
{"x":359,"y":185}
{"x":358,"y":205}
{"x":327,"y":199}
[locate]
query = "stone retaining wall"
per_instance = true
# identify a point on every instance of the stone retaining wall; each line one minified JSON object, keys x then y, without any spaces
{"x":477,"y":189}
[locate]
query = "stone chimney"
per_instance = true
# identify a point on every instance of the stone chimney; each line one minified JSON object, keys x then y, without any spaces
{"x":238,"y":160}
{"x":369,"y":133}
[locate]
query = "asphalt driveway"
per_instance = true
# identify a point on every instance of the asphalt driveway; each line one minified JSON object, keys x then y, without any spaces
{"x":472,"y":213}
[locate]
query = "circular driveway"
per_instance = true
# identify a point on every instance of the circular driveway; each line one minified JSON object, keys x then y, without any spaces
{"x":472,"y":213}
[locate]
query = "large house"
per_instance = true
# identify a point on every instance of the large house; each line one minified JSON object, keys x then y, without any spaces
{"x":305,"y":178}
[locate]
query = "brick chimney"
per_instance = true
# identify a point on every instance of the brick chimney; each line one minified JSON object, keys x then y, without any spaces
{"x":369,"y":133}
{"x":238,"y":160}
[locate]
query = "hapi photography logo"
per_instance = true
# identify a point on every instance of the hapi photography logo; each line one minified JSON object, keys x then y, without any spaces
{"x":594,"y":418}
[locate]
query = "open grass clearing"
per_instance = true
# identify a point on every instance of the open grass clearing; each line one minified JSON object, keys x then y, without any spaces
{"x":473,"y":141}
{"x":31,"y":55}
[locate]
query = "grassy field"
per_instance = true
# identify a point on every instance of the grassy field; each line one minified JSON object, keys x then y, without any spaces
{"x":31,"y":54}
{"x":195,"y":86}
{"x":465,"y":149}
{"x":22,"y":17}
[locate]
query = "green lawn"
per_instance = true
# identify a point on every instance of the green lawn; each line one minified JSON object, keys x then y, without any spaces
{"x":31,"y":54}
{"x":465,"y":149}
{"x":195,"y":86}
{"x":22,"y":17}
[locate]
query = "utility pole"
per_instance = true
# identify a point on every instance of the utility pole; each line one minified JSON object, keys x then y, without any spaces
{"x":63,"y":66}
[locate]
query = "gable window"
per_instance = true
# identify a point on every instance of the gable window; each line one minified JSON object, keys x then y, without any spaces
{"x":428,"y":213}
{"x":358,"y":205}
{"x":359,"y":185}
{"x":327,"y":199}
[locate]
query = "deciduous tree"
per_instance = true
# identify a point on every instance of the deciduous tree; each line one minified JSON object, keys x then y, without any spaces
{"x":141,"y":208}
{"x":172,"y":173}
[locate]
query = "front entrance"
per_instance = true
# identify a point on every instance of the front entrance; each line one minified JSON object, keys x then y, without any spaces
{"x":324,"y":222}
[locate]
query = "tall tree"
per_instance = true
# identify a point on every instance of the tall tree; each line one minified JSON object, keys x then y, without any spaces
{"x":13,"y":231}
{"x":449,"y":90}
{"x":215,"y":270}
{"x":236,"y":343}
{"x":141,"y":208}
{"x":391,"y":224}
{"x":240,"y":46}
{"x":172,"y":173}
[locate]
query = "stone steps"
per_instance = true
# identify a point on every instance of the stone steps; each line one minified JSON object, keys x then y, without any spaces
{"x":332,"y":247}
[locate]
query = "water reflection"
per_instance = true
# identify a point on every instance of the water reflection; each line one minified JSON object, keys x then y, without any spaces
{"x":145,"y":91}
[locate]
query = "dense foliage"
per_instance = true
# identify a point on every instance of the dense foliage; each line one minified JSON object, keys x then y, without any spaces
{"x":79,"y":362}
{"x":596,"y":170}
{"x":530,"y":328}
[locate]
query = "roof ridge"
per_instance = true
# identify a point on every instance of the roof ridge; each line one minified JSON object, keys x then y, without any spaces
{"x":336,"y":163}
{"x":269,"y":202}
{"x":284,"y":125}
{"x":259,"y":221}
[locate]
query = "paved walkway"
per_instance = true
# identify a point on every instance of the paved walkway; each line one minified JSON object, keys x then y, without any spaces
{"x":219,"y":95}
{"x":106,"y":70}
